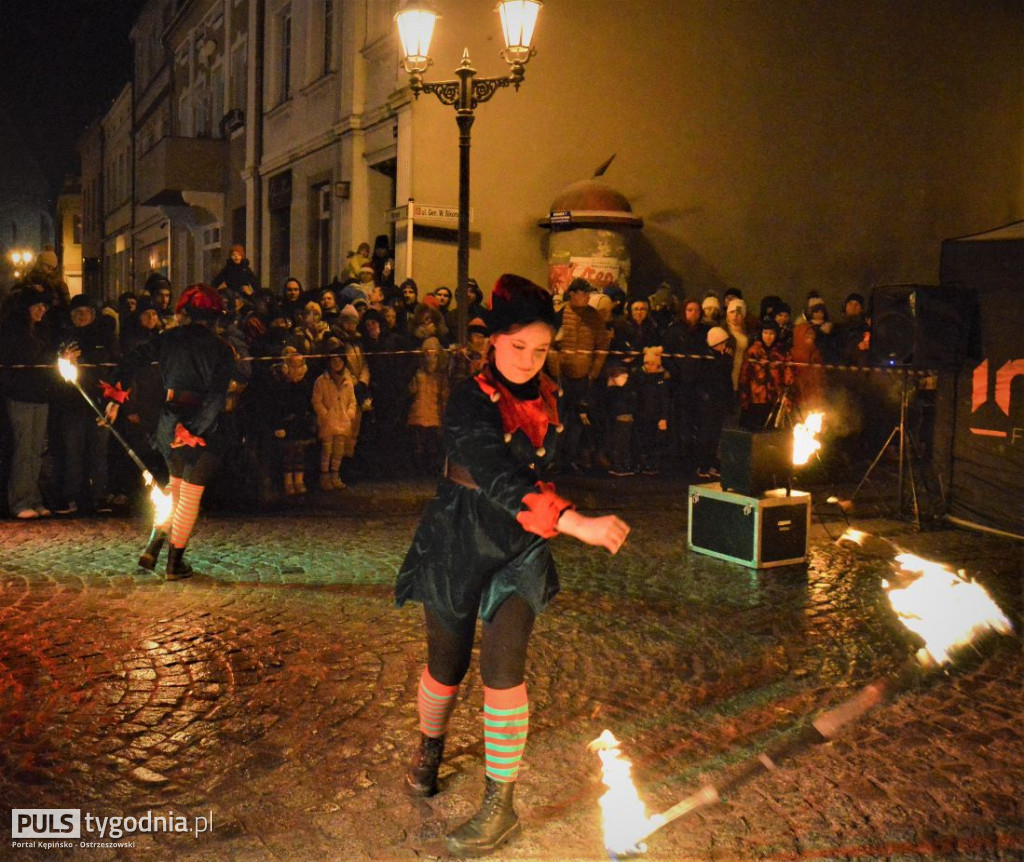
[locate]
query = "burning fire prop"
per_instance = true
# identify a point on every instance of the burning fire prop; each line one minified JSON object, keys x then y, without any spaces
{"x":626,"y":823}
{"x":942,"y":607}
{"x":162,"y":502}
{"x":805,"y":438}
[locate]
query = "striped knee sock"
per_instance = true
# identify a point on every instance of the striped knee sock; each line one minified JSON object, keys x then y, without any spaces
{"x":174,"y":489}
{"x":506,"y":724}
{"x":436,"y":702}
{"x":185,"y":513}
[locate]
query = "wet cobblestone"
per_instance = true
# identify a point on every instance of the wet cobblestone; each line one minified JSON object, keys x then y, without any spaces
{"x":276,"y":689}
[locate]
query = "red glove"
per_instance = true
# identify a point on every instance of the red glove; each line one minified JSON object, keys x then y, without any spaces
{"x":543,"y":509}
{"x":114,"y":393}
{"x":184,"y":437}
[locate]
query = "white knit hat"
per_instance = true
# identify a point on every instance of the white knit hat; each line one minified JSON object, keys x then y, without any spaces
{"x":717,"y":336}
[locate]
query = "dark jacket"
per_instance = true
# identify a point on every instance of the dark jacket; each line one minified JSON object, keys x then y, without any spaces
{"x":235,"y":276}
{"x":25,"y":345}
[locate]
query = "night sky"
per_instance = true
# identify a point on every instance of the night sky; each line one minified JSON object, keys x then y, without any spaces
{"x":62,"y":63}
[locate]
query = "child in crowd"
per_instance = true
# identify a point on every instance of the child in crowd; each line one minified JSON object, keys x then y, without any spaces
{"x":429,"y":391}
{"x":289,"y":414}
{"x":764,"y":378}
{"x":653,"y":407}
{"x":621,"y":404}
{"x":334,"y":401}
{"x":784,"y":340}
{"x":472,"y":358}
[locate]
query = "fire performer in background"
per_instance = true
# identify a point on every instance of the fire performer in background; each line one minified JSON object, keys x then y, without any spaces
{"x":196,"y":368}
{"x":481,"y":549}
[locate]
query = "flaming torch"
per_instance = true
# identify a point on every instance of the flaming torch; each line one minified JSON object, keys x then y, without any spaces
{"x":944,"y":608}
{"x":162,"y":502}
{"x":624,"y":814}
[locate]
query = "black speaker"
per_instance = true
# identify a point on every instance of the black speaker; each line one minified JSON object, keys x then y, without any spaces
{"x":926,"y":326}
{"x":753,"y":463}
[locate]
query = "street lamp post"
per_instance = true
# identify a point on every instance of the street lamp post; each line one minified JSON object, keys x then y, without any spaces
{"x":415,"y":27}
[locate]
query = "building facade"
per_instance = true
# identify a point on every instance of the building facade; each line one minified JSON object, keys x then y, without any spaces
{"x":774,"y":149}
{"x":69,"y":234}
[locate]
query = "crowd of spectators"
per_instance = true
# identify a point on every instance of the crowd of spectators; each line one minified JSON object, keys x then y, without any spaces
{"x":351,"y":379}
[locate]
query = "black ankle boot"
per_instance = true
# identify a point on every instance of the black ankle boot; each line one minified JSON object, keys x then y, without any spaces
{"x":177,"y":568}
{"x":495,"y":823}
{"x":422,"y":775}
{"x":156,"y":542}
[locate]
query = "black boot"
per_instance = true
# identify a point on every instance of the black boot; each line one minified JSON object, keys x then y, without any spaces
{"x":422,"y":775}
{"x":177,"y":568}
{"x":495,"y":823}
{"x":156,"y":542}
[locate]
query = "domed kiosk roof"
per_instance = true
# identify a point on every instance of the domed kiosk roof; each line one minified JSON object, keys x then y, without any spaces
{"x":589,"y":203}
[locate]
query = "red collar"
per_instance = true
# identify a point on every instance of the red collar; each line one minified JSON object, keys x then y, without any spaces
{"x":532,"y":417}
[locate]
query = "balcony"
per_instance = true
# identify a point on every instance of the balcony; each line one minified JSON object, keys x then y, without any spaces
{"x":177,"y":165}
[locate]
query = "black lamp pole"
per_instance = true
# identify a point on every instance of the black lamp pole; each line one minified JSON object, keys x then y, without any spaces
{"x":465,"y":94}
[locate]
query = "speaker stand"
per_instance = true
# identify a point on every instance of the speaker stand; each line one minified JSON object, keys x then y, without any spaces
{"x":906,"y":466}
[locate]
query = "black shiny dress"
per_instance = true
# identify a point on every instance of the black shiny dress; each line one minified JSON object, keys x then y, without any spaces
{"x":484,"y":536}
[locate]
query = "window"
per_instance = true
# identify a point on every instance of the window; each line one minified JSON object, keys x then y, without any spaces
{"x":216,"y":99}
{"x":321,"y":234}
{"x":328,"y":35}
{"x":211,"y":251}
{"x":285,"y":67}
{"x":201,"y":104}
{"x":239,"y":75}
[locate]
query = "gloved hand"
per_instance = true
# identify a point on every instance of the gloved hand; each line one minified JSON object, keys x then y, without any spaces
{"x":184,"y":437}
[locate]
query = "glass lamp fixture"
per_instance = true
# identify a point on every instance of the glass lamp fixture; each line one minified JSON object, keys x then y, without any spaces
{"x":416,"y":21}
{"x":518,"y":20}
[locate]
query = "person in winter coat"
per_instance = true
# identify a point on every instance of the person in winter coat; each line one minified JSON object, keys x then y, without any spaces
{"x":334,"y":402}
{"x":85,"y":475}
{"x":288,"y":414}
{"x":717,"y":399}
{"x":652,"y":411}
{"x":481,"y":550}
{"x":27,"y":391}
{"x":764,"y":378}
{"x":237,"y":275}
{"x":686,"y":344}
{"x":429,"y":391}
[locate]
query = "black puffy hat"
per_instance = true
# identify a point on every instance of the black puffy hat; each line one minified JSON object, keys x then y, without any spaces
{"x":80,"y":300}
{"x":29,"y":296}
{"x":517,"y":301}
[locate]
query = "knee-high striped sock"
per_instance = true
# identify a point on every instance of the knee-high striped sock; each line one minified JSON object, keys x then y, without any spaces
{"x":185,"y":513}
{"x":506,"y":724}
{"x":174,"y":489}
{"x":436,"y":702}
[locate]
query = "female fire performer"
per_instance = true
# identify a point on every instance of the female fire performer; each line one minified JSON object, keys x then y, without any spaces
{"x":196,"y":368}
{"x":481,"y":548}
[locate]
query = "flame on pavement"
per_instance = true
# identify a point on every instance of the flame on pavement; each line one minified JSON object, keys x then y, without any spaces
{"x":943,"y":607}
{"x":624,"y":815}
{"x":67,"y":369}
{"x":805,"y":434}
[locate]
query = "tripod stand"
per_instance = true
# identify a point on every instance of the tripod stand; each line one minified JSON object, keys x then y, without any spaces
{"x":906,"y":465}
{"x":781,"y":414}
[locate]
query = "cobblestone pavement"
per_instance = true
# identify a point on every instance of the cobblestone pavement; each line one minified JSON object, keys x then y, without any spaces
{"x":275,"y":691}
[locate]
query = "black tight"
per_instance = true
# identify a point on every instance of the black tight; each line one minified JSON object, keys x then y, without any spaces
{"x":502,"y":646}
